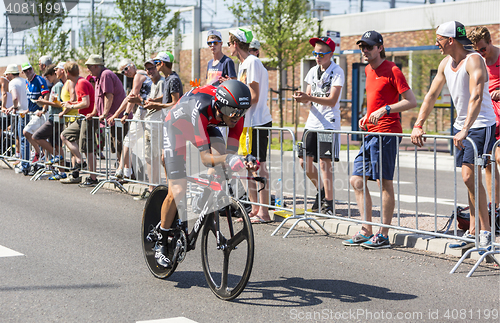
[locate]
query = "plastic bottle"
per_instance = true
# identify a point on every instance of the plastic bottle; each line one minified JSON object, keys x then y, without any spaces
{"x":278,"y":198}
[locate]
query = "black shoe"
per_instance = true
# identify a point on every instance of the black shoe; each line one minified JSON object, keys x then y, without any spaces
{"x":162,"y":250}
{"x":79,"y":166}
{"x":26,"y":171}
{"x":327,"y":207}
{"x":89,"y":182}
{"x":315,"y":207}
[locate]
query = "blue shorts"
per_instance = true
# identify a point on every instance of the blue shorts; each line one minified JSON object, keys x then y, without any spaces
{"x":484,"y":138}
{"x":372,"y":157}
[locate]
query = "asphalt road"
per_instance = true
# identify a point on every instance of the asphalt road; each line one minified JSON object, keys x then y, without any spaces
{"x":82,"y":262}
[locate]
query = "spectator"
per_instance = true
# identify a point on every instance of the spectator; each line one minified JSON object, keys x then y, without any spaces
{"x":6,"y":103}
{"x":254,"y":48}
{"x":252,"y":73}
{"x":43,"y":64}
{"x":220,"y":68}
{"x":154,"y":131}
{"x":80,"y":136}
{"x":36,"y":87}
{"x":481,"y":39}
{"x":109,"y":95}
{"x":466,"y":75}
{"x":141,"y":86}
{"x":324,"y":87}
{"x":47,"y":136}
{"x":17,"y":89}
{"x":384,"y":84}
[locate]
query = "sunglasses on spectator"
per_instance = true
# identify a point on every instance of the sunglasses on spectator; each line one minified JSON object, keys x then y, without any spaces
{"x":319,"y":54}
{"x":125,"y":69}
{"x":367,"y":47}
{"x":481,"y":50}
{"x":151,"y":68}
{"x":232,"y":112}
{"x":213,"y":43}
{"x":158,"y":62}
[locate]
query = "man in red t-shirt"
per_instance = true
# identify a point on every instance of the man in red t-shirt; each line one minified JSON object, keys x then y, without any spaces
{"x":78,"y":136}
{"x":384,"y":84}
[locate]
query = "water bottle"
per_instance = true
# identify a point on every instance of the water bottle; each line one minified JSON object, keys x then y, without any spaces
{"x":278,"y":198}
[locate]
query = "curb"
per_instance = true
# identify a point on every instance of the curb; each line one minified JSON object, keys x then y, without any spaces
{"x":396,"y":237}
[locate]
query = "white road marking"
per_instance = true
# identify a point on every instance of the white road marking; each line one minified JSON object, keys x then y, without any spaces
{"x":6,"y":252}
{"x":411,"y":198}
{"x":171,"y":320}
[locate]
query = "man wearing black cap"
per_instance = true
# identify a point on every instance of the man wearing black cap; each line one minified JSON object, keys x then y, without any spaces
{"x":324,"y":87}
{"x":384,"y":84}
{"x":466,"y":75}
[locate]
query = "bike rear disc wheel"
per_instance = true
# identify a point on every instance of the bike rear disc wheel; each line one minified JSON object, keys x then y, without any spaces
{"x":227,"y":269}
{"x":150,"y":219}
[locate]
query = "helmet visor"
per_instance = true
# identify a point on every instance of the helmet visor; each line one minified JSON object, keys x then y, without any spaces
{"x":232,"y":112}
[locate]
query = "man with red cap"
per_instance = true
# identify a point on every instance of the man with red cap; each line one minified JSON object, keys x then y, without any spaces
{"x":324,"y":88}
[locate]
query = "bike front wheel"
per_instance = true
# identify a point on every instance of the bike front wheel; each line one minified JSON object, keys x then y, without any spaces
{"x":227,"y":261}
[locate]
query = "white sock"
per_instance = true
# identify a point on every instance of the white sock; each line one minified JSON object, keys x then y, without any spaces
{"x":127,"y":172}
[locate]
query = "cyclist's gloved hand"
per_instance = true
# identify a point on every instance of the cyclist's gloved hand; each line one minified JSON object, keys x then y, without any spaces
{"x":253,"y":160}
{"x":235,"y":162}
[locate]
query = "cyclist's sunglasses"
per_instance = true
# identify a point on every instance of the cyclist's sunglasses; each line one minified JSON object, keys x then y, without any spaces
{"x":232,"y":112}
{"x":213,"y":43}
{"x":319,"y":54}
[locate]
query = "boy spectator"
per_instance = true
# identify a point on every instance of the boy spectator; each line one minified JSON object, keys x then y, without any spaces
{"x":481,"y":40}
{"x":466,"y":76}
{"x":384,"y":84}
{"x":324,"y":87}
{"x":252,"y":73}
{"x":220,"y":68}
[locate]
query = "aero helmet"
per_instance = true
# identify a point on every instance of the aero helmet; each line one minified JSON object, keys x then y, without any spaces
{"x":233,"y":98}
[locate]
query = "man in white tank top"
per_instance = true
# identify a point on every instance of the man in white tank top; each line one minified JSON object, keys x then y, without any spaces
{"x":465,"y":73}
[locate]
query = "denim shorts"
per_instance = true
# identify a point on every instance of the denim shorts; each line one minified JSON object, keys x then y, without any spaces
{"x":371,"y":147}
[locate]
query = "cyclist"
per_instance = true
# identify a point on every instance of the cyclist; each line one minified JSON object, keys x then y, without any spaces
{"x":195,"y":118}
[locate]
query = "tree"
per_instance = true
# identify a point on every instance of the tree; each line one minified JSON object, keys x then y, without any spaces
{"x":48,"y":38}
{"x":143,"y":27}
{"x":283,"y":26}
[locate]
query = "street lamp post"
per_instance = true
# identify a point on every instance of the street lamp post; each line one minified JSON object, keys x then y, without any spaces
{"x":103,"y":39}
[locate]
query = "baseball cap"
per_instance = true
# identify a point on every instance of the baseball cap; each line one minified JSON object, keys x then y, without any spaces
{"x":46,"y":60}
{"x":372,"y":38}
{"x":454,"y":29}
{"x":12,"y":69}
{"x":26,"y":66}
{"x":244,"y":35}
{"x":254,"y":44}
{"x":95,"y":59}
{"x":165,"y":57}
{"x":60,"y":65}
{"x":149,"y":61}
{"x":213,"y":32}
{"x":327,"y":40}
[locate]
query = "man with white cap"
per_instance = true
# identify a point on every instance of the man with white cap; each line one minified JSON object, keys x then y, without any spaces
{"x":253,"y":73}
{"x":254,"y":48}
{"x":465,"y":73}
{"x":220,"y":68}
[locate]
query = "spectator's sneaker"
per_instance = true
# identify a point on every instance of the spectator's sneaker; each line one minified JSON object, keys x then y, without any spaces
{"x":57,"y":176}
{"x":79,"y":166}
{"x":378,"y":241}
{"x":89,"y":182}
{"x":18,"y":169}
{"x":26,"y":171}
{"x":55,"y":160}
{"x":319,"y":197}
{"x":484,"y":239}
{"x":145,"y":194}
{"x":71,"y":180}
{"x":327,"y":207}
{"x":357,"y":239}
{"x":119,"y":173}
{"x":463,"y":244}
